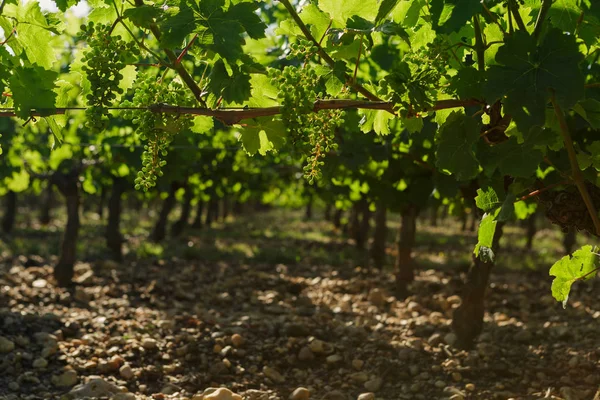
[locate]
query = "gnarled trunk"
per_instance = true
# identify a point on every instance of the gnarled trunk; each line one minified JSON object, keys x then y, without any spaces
{"x":101,"y":201}
{"x":405,"y":242}
{"x":68,"y":185}
{"x":433,"y":217}
{"x":10,"y":212}
{"x":531,"y":231}
{"x":467,"y":319}
{"x":47,"y":202}
{"x":569,"y":239}
{"x":212,"y":213}
{"x":197,"y":223}
{"x":160,"y":228}
{"x":379,"y":237}
{"x":337,"y":218}
{"x":362,"y":233}
{"x":308,"y":213}
{"x":114,"y":238}
{"x":186,"y":209}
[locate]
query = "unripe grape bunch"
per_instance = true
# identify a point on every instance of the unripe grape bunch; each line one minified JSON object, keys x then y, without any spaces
{"x":106,"y":56}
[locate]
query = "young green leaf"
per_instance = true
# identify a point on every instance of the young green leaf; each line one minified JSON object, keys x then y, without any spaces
{"x":570,"y":269}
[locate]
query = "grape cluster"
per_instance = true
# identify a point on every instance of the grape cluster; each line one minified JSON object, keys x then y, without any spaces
{"x":106,"y":57}
{"x":303,"y":48}
{"x":298,"y":91}
{"x":155,"y":128}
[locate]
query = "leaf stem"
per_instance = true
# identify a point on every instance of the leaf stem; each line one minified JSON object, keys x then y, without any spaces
{"x":576,"y":173}
{"x":513,"y":7}
{"x":359,"y":88}
{"x":479,"y":45}
{"x":183,"y":73}
{"x":2,"y":6}
{"x":542,"y":190}
{"x":539,"y":22}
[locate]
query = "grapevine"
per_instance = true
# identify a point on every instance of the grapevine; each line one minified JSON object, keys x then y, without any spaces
{"x":106,"y":57}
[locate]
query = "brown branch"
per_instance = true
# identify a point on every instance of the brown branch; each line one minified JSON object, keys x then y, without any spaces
{"x":539,"y":22}
{"x":576,"y":173}
{"x":359,"y":88}
{"x":232,"y":116}
{"x":542,"y":190}
{"x":179,"y":68}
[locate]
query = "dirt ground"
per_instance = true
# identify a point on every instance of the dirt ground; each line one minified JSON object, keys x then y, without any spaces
{"x":269,"y":304}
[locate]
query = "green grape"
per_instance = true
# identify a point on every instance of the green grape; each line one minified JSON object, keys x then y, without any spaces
{"x":106,"y":57}
{"x":150,"y":125}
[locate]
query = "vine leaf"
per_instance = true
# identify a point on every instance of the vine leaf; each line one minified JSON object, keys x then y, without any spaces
{"x":264,"y":135}
{"x":455,"y":153}
{"x":526,"y":71}
{"x":32,"y":88}
{"x":485,"y":238}
{"x":487,"y":199}
{"x":589,"y":109}
{"x":341,"y":11}
{"x":450,"y":15}
{"x":569,"y":269}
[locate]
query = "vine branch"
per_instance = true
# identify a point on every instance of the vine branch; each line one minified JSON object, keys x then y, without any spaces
{"x":232,"y":116}
{"x":576,"y":173}
{"x":479,"y":45}
{"x":359,"y":88}
{"x":539,"y":22}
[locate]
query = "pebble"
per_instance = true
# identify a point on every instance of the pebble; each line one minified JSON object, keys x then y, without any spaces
{"x":377,"y":297}
{"x":360,"y":377}
{"x":374,"y":384}
{"x":334,"y":395}
{"x":149,"y":343}
{"x":317,"y":346}
{"x":40,"y":363}
{"x":523,"y":336}
{"x":219,"y":394}
{"x":440,"y":384}
{"x":334,"y":358}
{"x":6,"y":346}
{"x":237,"y":340}
{"x":450,"y":338}
{"x":358,"y":364}
{"x":126,"y":372}
{"x":14,"y":386}
{"x":300,"y":394}
{"x":366,"y":396}
{"x":435,"y":339}
{"x":66,"y":379}
{"x":95,"y":388}
{"x":124,"y":396}
{"x":273,"y":374}
{"x":305,"y":354}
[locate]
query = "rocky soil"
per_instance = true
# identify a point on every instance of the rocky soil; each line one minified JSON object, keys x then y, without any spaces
{"x":194,"y":329}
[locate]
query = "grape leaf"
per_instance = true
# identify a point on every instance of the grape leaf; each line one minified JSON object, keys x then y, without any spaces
{"x":526,"y":71}
{"x":142,"y":16}
{"x":234,"y":87}
{"x":64,"y":4}
{"x":375,"y":120}
{"x":467,"y":83}
{"x":487,"y":199}
{"x":451,"y":15}
{"x":589,"y":109}
{"x":485,"y":238}
{"x":518,"y":160}
{"x":569,"y":269}
{"x":263,"y":135}
{"x":507,"y":211}
{"x":385,"y":8}
{"x":341,"y":11}
{"x":32,"y":88}
{"x":456,"y":141}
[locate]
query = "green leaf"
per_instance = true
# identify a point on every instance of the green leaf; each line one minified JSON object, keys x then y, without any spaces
{"x":341,"y":11}
{"x":518,"y":160}
{"x":507,"y":211}
{"x":569,"y":269}
{"x":202,"y":124}
{"x":526,"y":71}
{"x":589,"y":109}
{"x":55,"y":129}
{"x":234,"y":88}
{"x":385,"y":8}
{"x":524,"y":209}
{"x":18,"y":181}
{"x":485,"y":238}
{"x":468,"y":83}
{"x":316,"y":19}
{"x":375,"y":120}
{"x":32,"y":88}
{"x":263,"y":135}
{"x":142,"y":16}
{"x":487,"y":199}
{"x":450,"y":15}
{"x":455,"y":146}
